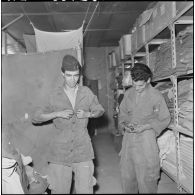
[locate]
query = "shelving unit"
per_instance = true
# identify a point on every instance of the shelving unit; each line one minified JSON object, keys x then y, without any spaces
{"x":179,"y":19}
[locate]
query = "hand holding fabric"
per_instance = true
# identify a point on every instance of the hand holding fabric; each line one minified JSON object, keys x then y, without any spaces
{"x":141,"y":128}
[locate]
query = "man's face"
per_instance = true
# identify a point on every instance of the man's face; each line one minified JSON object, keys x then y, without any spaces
{"x":140,"y":85}
{"x":71,"y":78}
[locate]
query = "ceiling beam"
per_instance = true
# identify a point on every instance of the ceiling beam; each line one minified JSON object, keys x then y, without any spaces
{"x":12,"y":36}
{"x":13,"y":21}
{"x":66,"y":13}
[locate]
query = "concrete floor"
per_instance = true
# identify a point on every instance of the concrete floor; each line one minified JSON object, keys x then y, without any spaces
{"x":107,"y":167}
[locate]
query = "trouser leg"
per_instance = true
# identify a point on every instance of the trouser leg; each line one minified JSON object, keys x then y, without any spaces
{"x":84,"y":179}
{"x":146,"y":182}
{"x":128,"y":176}
{"x":147,"y":168}
{"x":59,"y":178}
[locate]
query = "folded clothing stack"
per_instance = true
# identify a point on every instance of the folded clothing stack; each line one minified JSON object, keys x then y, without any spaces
{"x":161,"y":58}
{"x":186,"y":151}
{"x":184,"y":50}
{"x":163,"y":63}
{"x":185,"y":103}
{"x":166,"y":89}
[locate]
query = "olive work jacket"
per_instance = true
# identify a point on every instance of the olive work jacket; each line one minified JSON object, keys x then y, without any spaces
{"x":72,"y":142}
{"x":151,"y":109}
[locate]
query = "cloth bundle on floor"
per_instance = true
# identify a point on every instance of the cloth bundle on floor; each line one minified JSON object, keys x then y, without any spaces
{"x":166,"y":143}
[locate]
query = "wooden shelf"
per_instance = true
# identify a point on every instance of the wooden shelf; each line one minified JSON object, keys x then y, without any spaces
{"x":187,"y":185}
{"x":181,"y":130}
{"x":178,"y":18}
{"x":173,"y":177}
{"x":157,"y":41}
{"x":185,"y":20}
{"x":161,"y":79}
{"x":179,"y":75}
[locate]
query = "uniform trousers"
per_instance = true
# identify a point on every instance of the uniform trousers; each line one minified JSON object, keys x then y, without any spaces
{"x":60,"y":177}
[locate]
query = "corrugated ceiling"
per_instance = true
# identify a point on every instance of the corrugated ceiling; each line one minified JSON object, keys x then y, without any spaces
{"x":110,"y":21}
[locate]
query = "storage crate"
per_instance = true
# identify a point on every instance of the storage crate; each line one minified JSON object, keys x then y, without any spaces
{"x":181,"y":5}
{"x":162,"y":15}
{"x":134,"y":42}
{"x":121,"y":49}
{"x":134,"y":37}
{"x":141,"y":39}
{"x":148,"y":31}
{"x":126,"y":44}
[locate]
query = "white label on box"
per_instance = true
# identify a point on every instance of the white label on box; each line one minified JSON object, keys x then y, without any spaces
{"x":162,"y":9}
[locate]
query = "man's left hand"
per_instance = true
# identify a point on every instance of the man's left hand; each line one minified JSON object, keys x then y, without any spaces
{"x":82,"y":114}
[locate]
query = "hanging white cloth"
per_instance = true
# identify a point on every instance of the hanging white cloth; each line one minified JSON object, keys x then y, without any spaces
{"x":51,"y":41}
{"x":10,"y":179}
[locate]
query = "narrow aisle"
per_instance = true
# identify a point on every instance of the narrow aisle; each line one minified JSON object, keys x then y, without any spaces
{"x":106,"y":163}
{"x":107,"y":170}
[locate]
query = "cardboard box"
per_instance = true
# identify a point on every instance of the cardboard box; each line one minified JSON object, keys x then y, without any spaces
{"x":134,"y":41}
{"x":121,"y":49}
{"x":181,"y":5}
{"x":134,"y":37}
{"x":163,"y":13}
{"x":148,"y":30}
{"x":126,"y":44}
{"x":141,"y":36}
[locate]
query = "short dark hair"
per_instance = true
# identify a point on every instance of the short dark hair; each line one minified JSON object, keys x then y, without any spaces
{"x":141,"y":72}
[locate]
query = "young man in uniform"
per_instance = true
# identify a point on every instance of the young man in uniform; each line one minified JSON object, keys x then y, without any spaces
{"x":71,"y":150}
{"x":143,"y":116}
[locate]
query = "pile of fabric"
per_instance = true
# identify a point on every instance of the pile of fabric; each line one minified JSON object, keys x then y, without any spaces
{"x":161,"y":58}
{"x":166,"y":89}
{"x":185,"y":104}
{"x":167,"y":146}
{"x":163,"y":62}
{"x":184,"y":51}
{"x":186,"y":151}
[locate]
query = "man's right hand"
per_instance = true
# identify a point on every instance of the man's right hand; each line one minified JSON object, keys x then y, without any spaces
{"x":67,"y":114}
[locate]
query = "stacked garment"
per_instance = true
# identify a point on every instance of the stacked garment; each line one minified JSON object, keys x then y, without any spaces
{"x":185,"y":104}
{"x":161,"y":58}
{"x":152,"y":60}
{"x":163,"y":62}
{"x":186,"y":151}
{"x":167,"y":146}
{"x":184,"y":50}
{"x":166,"y":89}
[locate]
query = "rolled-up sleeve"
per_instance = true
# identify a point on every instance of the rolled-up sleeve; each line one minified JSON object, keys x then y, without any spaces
{"x":95,"y":107}
{"x":163,"y":118}
{"x":37,"y":111}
